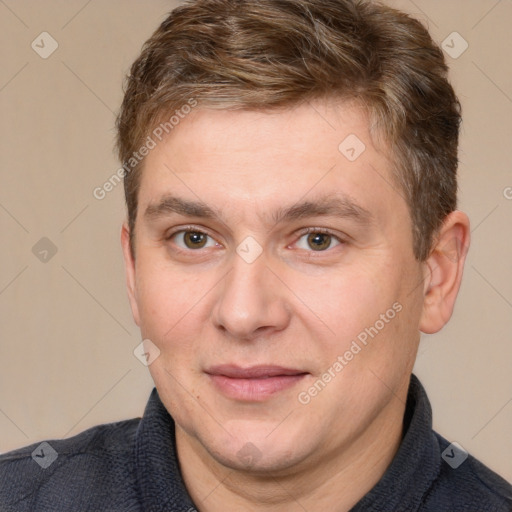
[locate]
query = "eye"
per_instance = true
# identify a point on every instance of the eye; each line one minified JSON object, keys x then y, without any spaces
{"x":317,"y":241}
{"x":191,"y":239}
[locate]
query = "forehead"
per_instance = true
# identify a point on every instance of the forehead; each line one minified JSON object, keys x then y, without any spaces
{"x":271,"y":159}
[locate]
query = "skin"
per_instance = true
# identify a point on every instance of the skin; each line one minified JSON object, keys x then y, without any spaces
{"x":294,"y":306}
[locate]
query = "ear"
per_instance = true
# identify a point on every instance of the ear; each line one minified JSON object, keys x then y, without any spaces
{"x":443,"y":270}
{"x":129,"y":267}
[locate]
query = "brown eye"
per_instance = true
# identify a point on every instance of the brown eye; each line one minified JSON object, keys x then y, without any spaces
{"x":319,"y":241}
{"x":190,"y":239}
{"x":195,"y":239}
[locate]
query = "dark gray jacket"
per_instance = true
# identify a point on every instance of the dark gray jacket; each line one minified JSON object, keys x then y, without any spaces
{"x":132,"y":466}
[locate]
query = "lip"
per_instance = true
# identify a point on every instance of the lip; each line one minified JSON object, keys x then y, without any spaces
{"x":255,"y":383}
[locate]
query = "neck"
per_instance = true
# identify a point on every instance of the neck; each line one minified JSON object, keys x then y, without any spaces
{"x":335,"y":482}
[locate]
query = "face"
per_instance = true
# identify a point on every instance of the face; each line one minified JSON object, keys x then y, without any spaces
{"x":274,"y":272}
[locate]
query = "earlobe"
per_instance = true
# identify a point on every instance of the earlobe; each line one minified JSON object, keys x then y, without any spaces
{"x":443,"y":270}
{"x":129,"y":266}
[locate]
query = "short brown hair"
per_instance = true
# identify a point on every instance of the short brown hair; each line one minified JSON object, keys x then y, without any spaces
{"x":264,"y":54}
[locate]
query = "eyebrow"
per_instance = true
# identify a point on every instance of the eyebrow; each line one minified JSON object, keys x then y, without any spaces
{"x":336,"y":206}
{"x":343,"y":207}
{"x":171,"y":204}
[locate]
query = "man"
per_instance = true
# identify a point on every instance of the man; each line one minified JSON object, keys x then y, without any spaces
{"x":290,"y":178}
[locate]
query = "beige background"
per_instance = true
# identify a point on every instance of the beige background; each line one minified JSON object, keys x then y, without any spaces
{"x":67,"y":336}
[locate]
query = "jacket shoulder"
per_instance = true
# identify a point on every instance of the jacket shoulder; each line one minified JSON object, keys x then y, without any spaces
{"x":78,"y":473}
{"x":468,"y":486}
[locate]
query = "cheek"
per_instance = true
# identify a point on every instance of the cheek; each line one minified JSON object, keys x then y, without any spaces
{"x":155,"y":301}
{"x":352,"y":299}
{"x":372,"y":306}
{"x":163,"y":297}
{"x":174,"y":307}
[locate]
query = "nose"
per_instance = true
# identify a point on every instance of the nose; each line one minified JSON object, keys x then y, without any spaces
{"x":251,"y":301}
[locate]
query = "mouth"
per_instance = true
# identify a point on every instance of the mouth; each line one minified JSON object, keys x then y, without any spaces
{"x":255,"y":383}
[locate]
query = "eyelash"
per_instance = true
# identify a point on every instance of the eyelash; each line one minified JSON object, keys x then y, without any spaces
{"x":301,"y":233}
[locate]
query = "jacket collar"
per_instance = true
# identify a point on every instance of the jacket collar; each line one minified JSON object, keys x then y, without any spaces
{"x":161,"y":486}
{"x":416,"y":464}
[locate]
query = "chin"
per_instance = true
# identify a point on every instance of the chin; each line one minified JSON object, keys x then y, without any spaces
{"x":256,"y":449}
{"x":249,"y":458}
